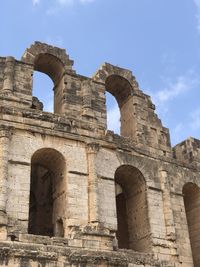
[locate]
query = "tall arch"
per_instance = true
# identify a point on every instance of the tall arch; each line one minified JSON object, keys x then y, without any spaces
{"x":50,"y":65}
{"x":47,"y":193}
{"x":122,"y":85}
{"x":132,"y":211}
{"x":121,"y":89}
{"x":53,"y":67}
{"x":52,"y":61}
{"x":42,"y":99}
{"x":113,"y":113}
{"x":191,"y":195}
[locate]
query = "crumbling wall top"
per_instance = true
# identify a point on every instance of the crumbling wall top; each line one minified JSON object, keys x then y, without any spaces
{"x":188,"y":152}
{"x":118,"y":81}
{"x":32,"y":53}
{"x":107,"y":70}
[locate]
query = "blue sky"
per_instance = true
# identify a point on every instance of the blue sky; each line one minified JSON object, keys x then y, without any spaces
{"x":158,"y":40}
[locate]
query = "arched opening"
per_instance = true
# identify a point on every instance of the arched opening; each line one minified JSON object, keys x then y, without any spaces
{"x":50,"y":65}
{"x":42,"y":92}
{"x":132,"y":211}
{"x":191,"y":194}
{"x":121,"y":89}
{"x":122,"y":218}
{"x":113,"y":113}
{"x":47,"y":193}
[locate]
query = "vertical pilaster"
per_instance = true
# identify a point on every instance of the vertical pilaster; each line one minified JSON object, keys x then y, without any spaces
{"x":8,"y":83}
{"x":5,"y":134}
{"x":167,"y":206}
{"x":87,"y":98}
{"x":92,"y":150}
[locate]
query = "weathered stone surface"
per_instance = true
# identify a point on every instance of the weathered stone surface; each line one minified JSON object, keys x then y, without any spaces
{"x":73,"y":193}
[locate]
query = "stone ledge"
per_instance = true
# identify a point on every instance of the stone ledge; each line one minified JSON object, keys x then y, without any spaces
{"x":50,"y":255}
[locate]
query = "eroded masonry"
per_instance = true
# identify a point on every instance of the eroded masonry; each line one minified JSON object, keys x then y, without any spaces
{"x":73,"y":193}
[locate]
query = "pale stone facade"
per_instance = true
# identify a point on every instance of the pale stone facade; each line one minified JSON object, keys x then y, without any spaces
{"x":73,"y":193}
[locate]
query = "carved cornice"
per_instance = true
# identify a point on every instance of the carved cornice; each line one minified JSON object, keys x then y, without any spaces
{"x":93,"y":148}
{"x":6,"y":131}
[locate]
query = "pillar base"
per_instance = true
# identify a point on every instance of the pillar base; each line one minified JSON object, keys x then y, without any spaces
{"x":93,"y":236}
{"x":3,"y":226}
{"x":3,"y":219}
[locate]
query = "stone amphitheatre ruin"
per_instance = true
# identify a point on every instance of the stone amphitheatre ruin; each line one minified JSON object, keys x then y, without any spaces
{"x":73,"y":193}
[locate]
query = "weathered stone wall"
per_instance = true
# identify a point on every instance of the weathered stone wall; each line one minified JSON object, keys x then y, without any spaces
{"x":2,"y":67}
{"x":64,"y":170}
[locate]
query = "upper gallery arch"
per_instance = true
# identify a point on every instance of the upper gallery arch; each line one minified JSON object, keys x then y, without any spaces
{"x":118,"y":81}
{"x":48,"y":59}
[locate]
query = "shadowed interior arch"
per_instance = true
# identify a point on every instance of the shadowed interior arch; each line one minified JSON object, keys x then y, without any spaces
{"x":191,"y":194}
{"x":122,"y":90}
{"x":47,"y":197}
{"x":49,"y":65}
{"x":119,"y":87}
{"x":54,"y":68}
{"x":132,"y":211}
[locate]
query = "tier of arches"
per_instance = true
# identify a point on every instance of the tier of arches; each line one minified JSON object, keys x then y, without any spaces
{"x":47,"y":203}
{"x":118,"y":92}
{"x":47,"y":206}
{"x":54,"y":63}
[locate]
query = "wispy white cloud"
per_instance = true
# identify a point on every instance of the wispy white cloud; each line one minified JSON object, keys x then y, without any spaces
{"x":175,"y":88}
{"x":113,"y":119}
{"x":52,"y":10}
{"x":177,"y":133}
{"x":195,"y":119}
{"x":197,"y":4}
{"x":65,"y":2}
{"x":59,"y":4}
{"x":55,"y":41}
{"x":69,"y":2}
{"x":178,"y":128}
{"x":48,"y":102}
{"x":49,"y":105}
{"x":86,"y":1}
{"x":35,"y":2}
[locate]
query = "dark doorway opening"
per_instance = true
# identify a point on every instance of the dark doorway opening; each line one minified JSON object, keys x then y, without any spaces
{"x":47,"y":193}
{"x":132,"y":211}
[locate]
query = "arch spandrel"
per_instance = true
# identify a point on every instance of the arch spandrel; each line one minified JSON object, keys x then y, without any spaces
{"x":122,"y":85}
{"x":116,"y":159}
{"x":54,"y":62}
{"x":107,"y":70}
{"x":50,"y":65}
{"x":33,"y":52}
{"x":51,"y":158}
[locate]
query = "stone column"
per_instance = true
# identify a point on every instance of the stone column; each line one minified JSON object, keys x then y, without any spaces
{"x":8,"y":83}
{"x":167,"y":207}
{"x":5,"y":134}
{"x":87,"y":99}
{"x":4,"y":152}
{"x":92,"y":150}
